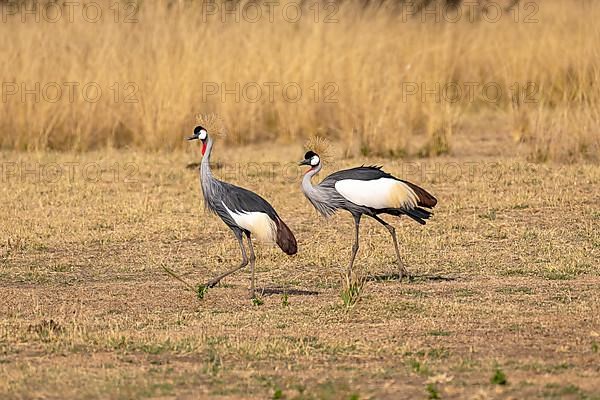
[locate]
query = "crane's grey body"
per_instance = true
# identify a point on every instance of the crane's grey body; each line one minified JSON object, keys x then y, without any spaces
{"x":219,"y":196}
{"x":326,"y":199}
{"x":396,"y":197}
{"x":245,"y":212}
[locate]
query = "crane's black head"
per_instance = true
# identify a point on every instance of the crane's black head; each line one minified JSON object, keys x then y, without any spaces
{"x":311,"y":158}
{"x":199,"y":133}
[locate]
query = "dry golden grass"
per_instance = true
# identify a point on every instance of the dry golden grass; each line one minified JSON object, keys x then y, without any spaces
{"x":371,"y":58}
{"x":506,"y":279}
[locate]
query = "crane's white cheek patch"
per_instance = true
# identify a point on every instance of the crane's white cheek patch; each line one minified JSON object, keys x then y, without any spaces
{"x":377,"y":193}
{"x":259,"y":224}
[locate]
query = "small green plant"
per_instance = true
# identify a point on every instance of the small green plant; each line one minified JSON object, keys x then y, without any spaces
{"x":499,"y":377}
{"x":257,"y":301}
{"x":284,"y":299}
{"x":201,"y":291}
{"x":352,"y":291}
{"x":594,"y":347}
{"x":432,"y":391}
{"x":438,"y":353}
{"x":556,"y":391}
{"x":277,"y":394}
{"x":439,"y":333}
{"x":417,"y":367}
{"x":571,"y":389}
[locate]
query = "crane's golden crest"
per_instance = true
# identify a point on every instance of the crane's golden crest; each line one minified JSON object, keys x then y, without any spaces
{"x":321,"y":146}
{"x":213,"y":123}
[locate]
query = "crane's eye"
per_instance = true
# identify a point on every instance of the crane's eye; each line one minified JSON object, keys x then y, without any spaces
{"x":202,"y":135}
{"x":314,"y":161}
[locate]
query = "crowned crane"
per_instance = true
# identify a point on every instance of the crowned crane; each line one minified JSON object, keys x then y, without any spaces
{"x":245,"y":212}
{"x":366,"y":191}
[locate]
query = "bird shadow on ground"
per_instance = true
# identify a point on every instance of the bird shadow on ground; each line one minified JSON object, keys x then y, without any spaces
{"x":413,"y":278}
{"x":269,"y":291}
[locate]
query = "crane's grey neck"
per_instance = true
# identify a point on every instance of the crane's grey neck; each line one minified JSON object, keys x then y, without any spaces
{"x":319,"y":197}
{"x":207,"y":180}
{"x":307,"y":186}
{"x":205,"y":163}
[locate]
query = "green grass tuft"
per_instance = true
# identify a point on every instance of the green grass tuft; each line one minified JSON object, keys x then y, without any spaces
{"x":257,"y":301}
{"x":285,"y":302}
{"x":499,"y":377}
{"x":432,"y":392}
{"x":352,"y":291}
{"x":201,"y":291}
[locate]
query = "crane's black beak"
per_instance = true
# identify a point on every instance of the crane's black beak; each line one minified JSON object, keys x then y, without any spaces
{"x":304,"y":162}
{"x":194,"y":137}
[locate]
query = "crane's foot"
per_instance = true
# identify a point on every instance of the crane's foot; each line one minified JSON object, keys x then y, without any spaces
{"x":212,"y":283}
{"x":256,"y":300}
{"x":403,"y":273}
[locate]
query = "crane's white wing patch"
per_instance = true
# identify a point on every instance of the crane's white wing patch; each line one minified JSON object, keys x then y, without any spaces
{"x":258,"y":223}
{"x":378,"y":193}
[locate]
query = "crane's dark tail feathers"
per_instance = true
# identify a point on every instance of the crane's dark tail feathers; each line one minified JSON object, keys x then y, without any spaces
{"x":285,"y":238}
{"x":424,"y":199}
{"x":418,"y":214}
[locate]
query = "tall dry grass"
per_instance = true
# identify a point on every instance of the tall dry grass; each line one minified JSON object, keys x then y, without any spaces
{"x":368,"y":61}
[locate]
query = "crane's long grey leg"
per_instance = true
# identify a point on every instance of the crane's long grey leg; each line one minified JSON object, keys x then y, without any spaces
{"x":402,"y":272}
{"x":252,"y":259}
{"x":355,"y":246}
{"x":238,"y":235}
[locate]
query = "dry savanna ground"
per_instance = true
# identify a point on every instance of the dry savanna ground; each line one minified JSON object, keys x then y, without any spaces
{"x":504,"y":301}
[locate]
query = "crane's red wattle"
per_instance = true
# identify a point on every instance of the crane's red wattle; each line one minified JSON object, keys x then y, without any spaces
{"x":203,"y":148}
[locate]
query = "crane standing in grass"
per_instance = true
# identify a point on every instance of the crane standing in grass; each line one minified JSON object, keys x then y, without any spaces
{"x":366,"y":191}
{"x":245,"y":212}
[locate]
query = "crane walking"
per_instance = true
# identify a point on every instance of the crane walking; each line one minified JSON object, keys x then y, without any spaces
{"x":366,"y":191}
{"x":245,"y":212}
